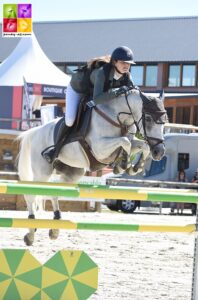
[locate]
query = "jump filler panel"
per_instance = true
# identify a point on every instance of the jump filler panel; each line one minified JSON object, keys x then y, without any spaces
{"x":17,"y":20}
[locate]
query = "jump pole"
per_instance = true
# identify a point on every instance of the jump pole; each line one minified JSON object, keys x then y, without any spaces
{"x":69,"y":225}
{"x":100,"y":191}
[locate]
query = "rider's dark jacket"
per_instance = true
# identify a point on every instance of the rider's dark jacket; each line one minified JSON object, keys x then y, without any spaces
{"x":104,"y":87}
{"x":102,"y":83}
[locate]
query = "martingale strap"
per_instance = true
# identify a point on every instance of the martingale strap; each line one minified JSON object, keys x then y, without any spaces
{"x":123,"y":128}
{"x":106,"y":117}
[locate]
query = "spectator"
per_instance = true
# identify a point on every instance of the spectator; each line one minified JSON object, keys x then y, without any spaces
{"x":195,"y":180}
{"x":180,"y":178}
{"x":195,"y":177}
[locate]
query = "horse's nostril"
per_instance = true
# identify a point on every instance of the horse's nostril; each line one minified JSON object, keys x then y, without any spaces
{"x":158,"y":152}
{"x":155,"y":153}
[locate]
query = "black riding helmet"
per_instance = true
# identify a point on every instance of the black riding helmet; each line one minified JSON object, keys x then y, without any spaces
{"x":123,"y":53}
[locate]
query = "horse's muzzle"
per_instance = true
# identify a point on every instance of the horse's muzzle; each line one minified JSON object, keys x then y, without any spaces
{"x":158,"y":151}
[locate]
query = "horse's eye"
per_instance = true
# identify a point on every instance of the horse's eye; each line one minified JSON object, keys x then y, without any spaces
{"x":148,"y":119}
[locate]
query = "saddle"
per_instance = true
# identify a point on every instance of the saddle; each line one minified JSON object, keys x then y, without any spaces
{"x":77,"y":133}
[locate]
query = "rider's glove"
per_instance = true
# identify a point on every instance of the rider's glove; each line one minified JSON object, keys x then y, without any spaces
{"x":122,"y":90}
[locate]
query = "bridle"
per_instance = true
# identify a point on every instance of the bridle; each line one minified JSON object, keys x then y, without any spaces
{"x":147,"y":138}
{"x":142,"y":121}
{"x":158,"y":116}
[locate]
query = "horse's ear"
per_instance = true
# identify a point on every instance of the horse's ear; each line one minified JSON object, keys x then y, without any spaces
{"x":162,"y":95}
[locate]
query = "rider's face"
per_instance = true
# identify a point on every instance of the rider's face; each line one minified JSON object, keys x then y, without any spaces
{"x":122,"y":66}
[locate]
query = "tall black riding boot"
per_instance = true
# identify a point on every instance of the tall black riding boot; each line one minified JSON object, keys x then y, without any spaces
{"x":50,"y":153}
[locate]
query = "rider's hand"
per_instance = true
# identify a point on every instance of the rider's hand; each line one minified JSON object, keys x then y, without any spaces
{"x":122,"y":90}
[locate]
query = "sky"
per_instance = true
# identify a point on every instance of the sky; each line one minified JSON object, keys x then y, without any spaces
{"x":64,"y":10}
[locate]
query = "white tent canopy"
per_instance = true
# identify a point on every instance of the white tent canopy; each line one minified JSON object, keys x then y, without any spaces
{"x":30,"y":62}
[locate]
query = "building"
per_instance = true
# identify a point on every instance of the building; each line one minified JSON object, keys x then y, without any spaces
{"x":165,"y":51}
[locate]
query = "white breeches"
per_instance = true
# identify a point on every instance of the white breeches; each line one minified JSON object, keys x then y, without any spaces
{"x":71,"y":102}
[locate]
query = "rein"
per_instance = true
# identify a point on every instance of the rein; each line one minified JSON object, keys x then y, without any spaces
{"x":130,"y":113}
{"x":123,"y":128}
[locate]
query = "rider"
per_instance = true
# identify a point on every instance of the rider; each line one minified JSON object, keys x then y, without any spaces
{"x":109,"y":81}
{"x":119,"y":78}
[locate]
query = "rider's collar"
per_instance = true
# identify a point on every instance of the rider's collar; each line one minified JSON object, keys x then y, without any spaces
{"x":117,"y":75}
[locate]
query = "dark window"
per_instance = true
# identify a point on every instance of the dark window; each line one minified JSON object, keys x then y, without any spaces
{"x":195,"y":116}
{"x":157,"y":167}
{"x":183,"y":115}
{"x":170,"y":114}
{"x":183,"y":161}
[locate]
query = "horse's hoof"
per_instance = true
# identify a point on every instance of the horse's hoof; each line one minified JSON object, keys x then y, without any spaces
{"x":118,"y":170}
{"x":124,"y":164}
{"x":27,"y":240}
{"x":53,"y":234}
{"x":137,"y":171}
{"x":130,"y":171}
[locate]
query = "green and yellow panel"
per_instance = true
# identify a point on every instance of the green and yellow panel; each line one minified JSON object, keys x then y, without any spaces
{"x":68,"y":275}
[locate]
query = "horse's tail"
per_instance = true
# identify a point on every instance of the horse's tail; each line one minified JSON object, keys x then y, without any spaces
{"x":23,"y":160}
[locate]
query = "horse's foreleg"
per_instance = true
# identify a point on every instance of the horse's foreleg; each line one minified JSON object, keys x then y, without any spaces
{"x":138,"y":146}
{"x":54,"y":233}
{"x":29,"y":237}
{"x":121,"y":163}
{"x":104,"y":147}
{"x":137,"y":167}
{"x":139,"y":164}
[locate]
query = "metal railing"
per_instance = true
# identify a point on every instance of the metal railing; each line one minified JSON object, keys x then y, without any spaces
{"x":20,"y":124}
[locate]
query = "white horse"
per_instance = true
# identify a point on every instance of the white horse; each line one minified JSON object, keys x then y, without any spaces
{"x":105,"y":138}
